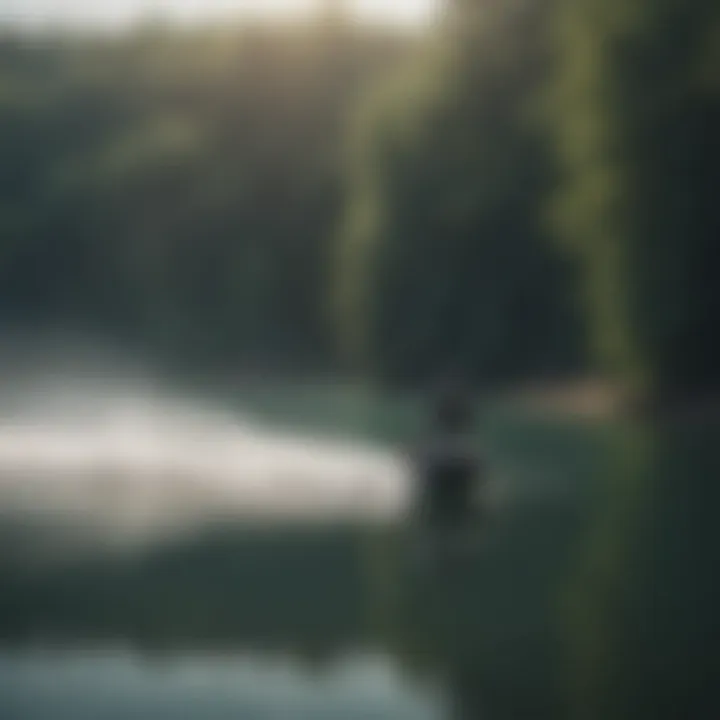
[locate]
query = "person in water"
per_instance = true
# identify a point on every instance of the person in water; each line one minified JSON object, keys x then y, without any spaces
{"x":449,"y":469}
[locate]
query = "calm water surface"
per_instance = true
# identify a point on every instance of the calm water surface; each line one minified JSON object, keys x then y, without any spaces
{"x":590,"y":593}
{"x":114,"y":684}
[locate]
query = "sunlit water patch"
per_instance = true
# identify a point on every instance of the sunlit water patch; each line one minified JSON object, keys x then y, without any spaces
{"x":110,"y":685}
{"x":130,"y":462}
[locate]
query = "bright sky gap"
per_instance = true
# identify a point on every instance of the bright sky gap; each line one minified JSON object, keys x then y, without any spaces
{"x":118,"y":12}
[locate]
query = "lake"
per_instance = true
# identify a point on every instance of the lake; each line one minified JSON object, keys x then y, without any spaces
{"x":149,"y":571}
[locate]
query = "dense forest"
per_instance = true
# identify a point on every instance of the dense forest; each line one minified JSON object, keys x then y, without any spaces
{"x":177,"y":189}
{"x":526,"y":190}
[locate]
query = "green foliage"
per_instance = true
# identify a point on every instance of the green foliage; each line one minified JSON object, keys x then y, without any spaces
{"x":258,"y":195}
{"x":637,"y":112}
{"x":443,"y":257}
{"x":180,"y":188}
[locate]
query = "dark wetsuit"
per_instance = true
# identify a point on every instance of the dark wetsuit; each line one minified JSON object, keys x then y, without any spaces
{"x":448,"y":471}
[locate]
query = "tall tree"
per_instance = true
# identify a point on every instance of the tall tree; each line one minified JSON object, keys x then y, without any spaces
{"x":444,"y":259}
{"x":638,"y":124}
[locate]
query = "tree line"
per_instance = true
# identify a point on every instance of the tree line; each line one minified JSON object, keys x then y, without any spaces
{"x":527,"y":191}
{"x":542,"y":202}
{"x":177,"y":189}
